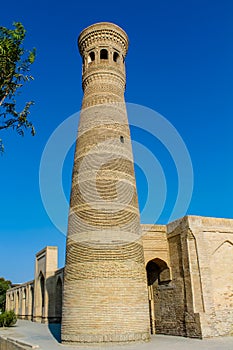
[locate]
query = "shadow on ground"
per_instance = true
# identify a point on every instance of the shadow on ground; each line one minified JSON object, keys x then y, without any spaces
{"x":55,"y":330}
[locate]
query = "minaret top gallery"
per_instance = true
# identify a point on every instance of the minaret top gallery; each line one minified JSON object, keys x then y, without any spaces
{"x":105,"y":289}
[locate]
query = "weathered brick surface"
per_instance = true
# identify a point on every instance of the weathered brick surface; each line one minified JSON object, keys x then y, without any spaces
{"x":214,"y":250}
{"x":105,"y":273}
{"x":190,"y":291}
{"x":202,"y":271}
{"x":26,"y":299}
{"x":155,"y":244}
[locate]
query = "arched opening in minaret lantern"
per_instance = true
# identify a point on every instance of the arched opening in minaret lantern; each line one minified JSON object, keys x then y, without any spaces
{"x":104,"y":54}
{"x":91,"y":57}
{"x":116,"y":57}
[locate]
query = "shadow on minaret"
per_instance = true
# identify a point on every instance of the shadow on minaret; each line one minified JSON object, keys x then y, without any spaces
{"x":55,"y":330}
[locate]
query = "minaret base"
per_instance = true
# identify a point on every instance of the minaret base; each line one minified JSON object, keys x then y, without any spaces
{"x":107,"y":338}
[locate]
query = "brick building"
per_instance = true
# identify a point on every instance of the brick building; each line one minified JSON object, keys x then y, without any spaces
{"x":122,"y":280}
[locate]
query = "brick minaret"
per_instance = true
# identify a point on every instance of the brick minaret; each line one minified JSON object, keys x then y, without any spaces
{"x":105,"y":289}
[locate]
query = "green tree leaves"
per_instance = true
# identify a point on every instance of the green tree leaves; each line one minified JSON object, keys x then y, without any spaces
{"x":15,"y":64}
{"x":4,"y":286}
{"x":8,"y":319}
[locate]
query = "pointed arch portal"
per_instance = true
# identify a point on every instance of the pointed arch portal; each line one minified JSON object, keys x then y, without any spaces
{"x":157,"y":273}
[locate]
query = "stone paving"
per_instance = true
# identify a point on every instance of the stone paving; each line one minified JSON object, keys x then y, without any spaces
{"x":46,"y":337}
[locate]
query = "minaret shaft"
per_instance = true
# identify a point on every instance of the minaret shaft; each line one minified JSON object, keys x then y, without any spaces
{"x":105,"y":290}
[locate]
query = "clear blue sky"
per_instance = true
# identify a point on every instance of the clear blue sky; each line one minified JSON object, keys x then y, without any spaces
{"x":179,"y":64}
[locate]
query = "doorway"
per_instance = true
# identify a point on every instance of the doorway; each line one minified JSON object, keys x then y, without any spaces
{"x":158,"y":274}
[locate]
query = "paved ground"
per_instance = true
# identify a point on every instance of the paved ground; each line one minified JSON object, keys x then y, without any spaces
{"x":47,"y":337}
